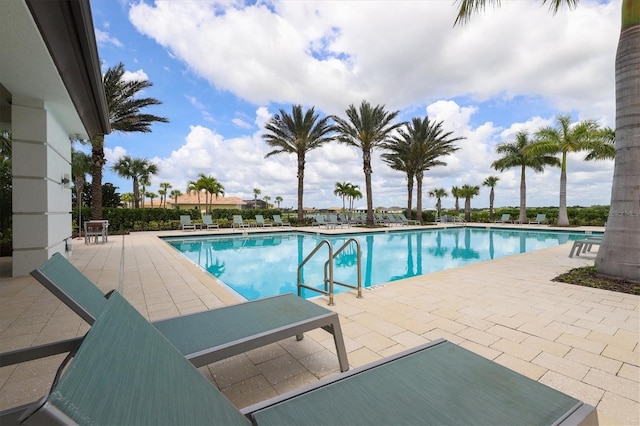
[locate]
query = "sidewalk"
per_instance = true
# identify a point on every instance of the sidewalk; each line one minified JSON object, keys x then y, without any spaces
{"x":578,"y":340}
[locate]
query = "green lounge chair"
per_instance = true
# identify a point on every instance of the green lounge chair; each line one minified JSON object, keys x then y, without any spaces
{"x":207,"y":336}
{"x":277,"y":221}
{"x":406,"y":221}
{"x":125,"y":372}
{"x":238,"y":222}
{"x":185,"y":222}
{"x":260,"y":221}
{"x":506,"y":218}
{"x":540,"y":219}
{"x":208,"y":222}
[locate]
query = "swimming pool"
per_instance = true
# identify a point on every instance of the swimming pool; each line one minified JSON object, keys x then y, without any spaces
{"x":261,"y":265}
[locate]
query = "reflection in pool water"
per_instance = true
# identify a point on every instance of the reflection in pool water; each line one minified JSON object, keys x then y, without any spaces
{"x":263,"y":265}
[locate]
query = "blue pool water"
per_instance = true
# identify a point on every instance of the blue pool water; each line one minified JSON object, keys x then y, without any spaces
{"x":257,"y":266}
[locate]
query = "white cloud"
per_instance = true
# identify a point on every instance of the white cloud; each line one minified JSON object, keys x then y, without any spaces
{"x":135,"y":75}
{"x":103,"y":37}
{"x":408,"y":57}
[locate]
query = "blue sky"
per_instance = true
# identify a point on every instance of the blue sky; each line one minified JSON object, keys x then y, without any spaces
{"x":222,"y":69}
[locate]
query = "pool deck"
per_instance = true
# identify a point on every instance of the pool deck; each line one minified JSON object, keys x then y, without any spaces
{"x":579,"y":340}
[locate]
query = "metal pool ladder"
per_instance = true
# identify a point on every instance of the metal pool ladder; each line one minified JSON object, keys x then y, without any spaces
{"x":328,"y":270}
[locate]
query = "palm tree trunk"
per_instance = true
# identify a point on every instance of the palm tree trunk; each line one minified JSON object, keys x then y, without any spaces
{"x":618,"y":253}
{"x":523,"y":197}
{"x":300,"y":188}
{"x":366,"y":162}
{"x":98,"y":161}
{"x":136,"y":193}
{"x":491,"y":198}
{"x":409,"y":195}
{"x":467,"y":209}
{"x":419,"y":198}
{"x":563,"y":219}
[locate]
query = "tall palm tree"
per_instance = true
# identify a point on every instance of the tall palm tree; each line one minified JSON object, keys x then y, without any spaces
{"x":125,"y":115}
{"x":163,"y":192}
{"x":194,"y":186}
{"x":175,"y":193}
{"x":80,"y":168}
{"x":468,"y":192}
{"x":562,"y":139}
{"x":278,"y":200}
{"x":604,"y":147}
{"x":297,"y":133}
{"x":151,"y":196}
{"x":491,"y":182}
{"x":399,"y":157}
{"x":431,"y":143}
{"x":439,"y":194}
{"x":136,"y":169}
{"x":256,"y":192}
{"x":455,"y":193}
{"x":366,"y":128}
{"x":266,"y":199}
{"x":516,"y":154}
{"x":618,"y":253}
{"x":342,"y":190}
{"x":353,"y":193}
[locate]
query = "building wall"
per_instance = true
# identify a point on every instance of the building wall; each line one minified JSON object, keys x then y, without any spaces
{"x":41,"y":203}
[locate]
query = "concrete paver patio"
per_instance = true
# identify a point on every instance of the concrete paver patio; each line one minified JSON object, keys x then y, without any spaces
{"x":578,"y":340}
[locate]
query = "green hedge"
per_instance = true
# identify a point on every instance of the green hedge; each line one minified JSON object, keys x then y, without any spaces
{"x":126,"y":220}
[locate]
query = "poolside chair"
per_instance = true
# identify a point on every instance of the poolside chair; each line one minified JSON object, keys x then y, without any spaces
{"x":238,"y":222}
{"x":260,"y":221}
{"x":583,"y":246}
{"x":540,"y":218}
{"x":379,"y":219}
{"x":277,"y":221}
{"x":185,"y":222}
{"x":344,"y":219}
{"x":126,"y":373}
{"x":406,"y":221}
{"x":506,"y":218}
{"x":207,"y":336}
{"x":208,"y":222}
{"x":332,"y":221}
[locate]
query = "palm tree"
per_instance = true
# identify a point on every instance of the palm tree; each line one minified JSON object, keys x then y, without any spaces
{"x":342,"y":190}
{"x":175,"y":194}
{"x":80,"y":167}
{"x":127,"y":199}
{"x":618,"y":253}
{"x":151,"y":196}
{"x":604,"y":148}
{"x":455,"y":193}
{"x":562,"y":139}
{"x":468,"y":192}
{"x":278,"y":200}
{"x":438,"y":193}
{"x":431,"y":143}
{"x":399,"y":157}
{"x":266,"y":199}
{"x":297,"y":134}
{"x":136,"y":169}
{"x":163,"y":193}
{"x":491,"y":182}
{"x":516,"y":154}
{"x":256,"y":192}
{"x":194,"y":186}
{"x":125,"y":115}
{"x":353,"y":193}
{"x":366,"y":128}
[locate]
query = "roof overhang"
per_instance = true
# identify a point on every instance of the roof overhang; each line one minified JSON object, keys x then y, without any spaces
{"x":48,"y":51}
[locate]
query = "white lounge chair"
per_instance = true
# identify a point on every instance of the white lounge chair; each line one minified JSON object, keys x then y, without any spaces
{"x":185,"y":223}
